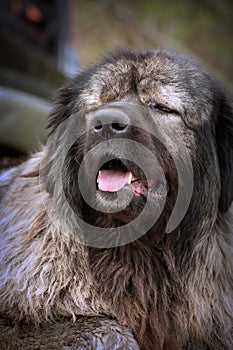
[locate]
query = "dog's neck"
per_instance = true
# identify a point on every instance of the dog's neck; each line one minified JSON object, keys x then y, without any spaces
{"x":137,"y":282}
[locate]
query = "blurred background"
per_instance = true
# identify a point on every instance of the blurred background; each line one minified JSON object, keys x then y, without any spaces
{"x":45,"y":42}
{"x":201,"y":28}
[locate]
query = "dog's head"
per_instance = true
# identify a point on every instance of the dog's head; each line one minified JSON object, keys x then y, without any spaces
{"x":141,"y":135}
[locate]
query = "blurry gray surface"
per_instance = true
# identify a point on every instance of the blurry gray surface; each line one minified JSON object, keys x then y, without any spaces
{"x":22,"y":119}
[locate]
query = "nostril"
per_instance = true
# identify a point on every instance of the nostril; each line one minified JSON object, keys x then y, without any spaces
{"x":98,"y":125}
{"x":119,"y":126}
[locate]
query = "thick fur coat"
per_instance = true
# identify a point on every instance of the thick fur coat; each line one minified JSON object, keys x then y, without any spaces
{"x":162,"y":290}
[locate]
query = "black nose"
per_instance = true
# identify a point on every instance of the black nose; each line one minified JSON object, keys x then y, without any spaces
{"x":110,"y":121}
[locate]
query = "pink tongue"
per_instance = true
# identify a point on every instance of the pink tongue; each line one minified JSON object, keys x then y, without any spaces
{"x":112,"y":180}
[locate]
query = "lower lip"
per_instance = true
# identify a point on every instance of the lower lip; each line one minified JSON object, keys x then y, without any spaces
{"x":136,"y":193}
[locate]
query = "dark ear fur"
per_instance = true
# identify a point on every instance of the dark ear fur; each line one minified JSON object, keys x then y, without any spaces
{"x":65,"y":103}
{"x":67,"y":97}
{"x":224,"y":138}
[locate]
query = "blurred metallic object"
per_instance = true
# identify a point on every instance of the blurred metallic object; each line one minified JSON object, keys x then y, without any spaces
{"x":22,"y":121}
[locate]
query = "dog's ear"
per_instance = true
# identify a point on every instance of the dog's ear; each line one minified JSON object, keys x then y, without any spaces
{"x":65,"y":102}
{"x":67,"y":98}
{"x":224,"y":138}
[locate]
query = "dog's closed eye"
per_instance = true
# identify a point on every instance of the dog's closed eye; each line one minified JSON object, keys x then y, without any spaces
{"x":159,"y":107}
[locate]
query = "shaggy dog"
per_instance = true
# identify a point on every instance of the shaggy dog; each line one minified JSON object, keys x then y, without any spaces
{"x":117,"y":235}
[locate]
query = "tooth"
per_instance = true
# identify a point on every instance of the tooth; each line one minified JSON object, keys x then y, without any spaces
{"x":129,"y":178}
{"x":98,"y":176}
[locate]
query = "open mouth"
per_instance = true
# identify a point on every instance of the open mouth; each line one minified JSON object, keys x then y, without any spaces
{"x":114,"y":176}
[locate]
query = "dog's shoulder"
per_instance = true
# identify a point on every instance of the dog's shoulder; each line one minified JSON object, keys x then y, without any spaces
{"x":6,"y":179}
{"x":11,"y":176}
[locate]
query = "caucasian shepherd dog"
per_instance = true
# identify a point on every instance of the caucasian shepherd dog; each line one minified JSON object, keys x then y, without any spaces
{"x":117,"y":234}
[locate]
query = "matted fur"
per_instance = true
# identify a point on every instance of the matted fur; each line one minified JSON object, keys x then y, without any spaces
{"x":173,"y":291}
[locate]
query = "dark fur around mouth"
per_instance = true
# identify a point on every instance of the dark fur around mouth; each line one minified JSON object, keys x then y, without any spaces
{"x":144,"y":190}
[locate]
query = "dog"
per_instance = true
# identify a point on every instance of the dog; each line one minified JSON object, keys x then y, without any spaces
{"x":117,"y":234}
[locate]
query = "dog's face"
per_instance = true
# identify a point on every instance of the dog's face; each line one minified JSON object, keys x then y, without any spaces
{"x":141,"y":133}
